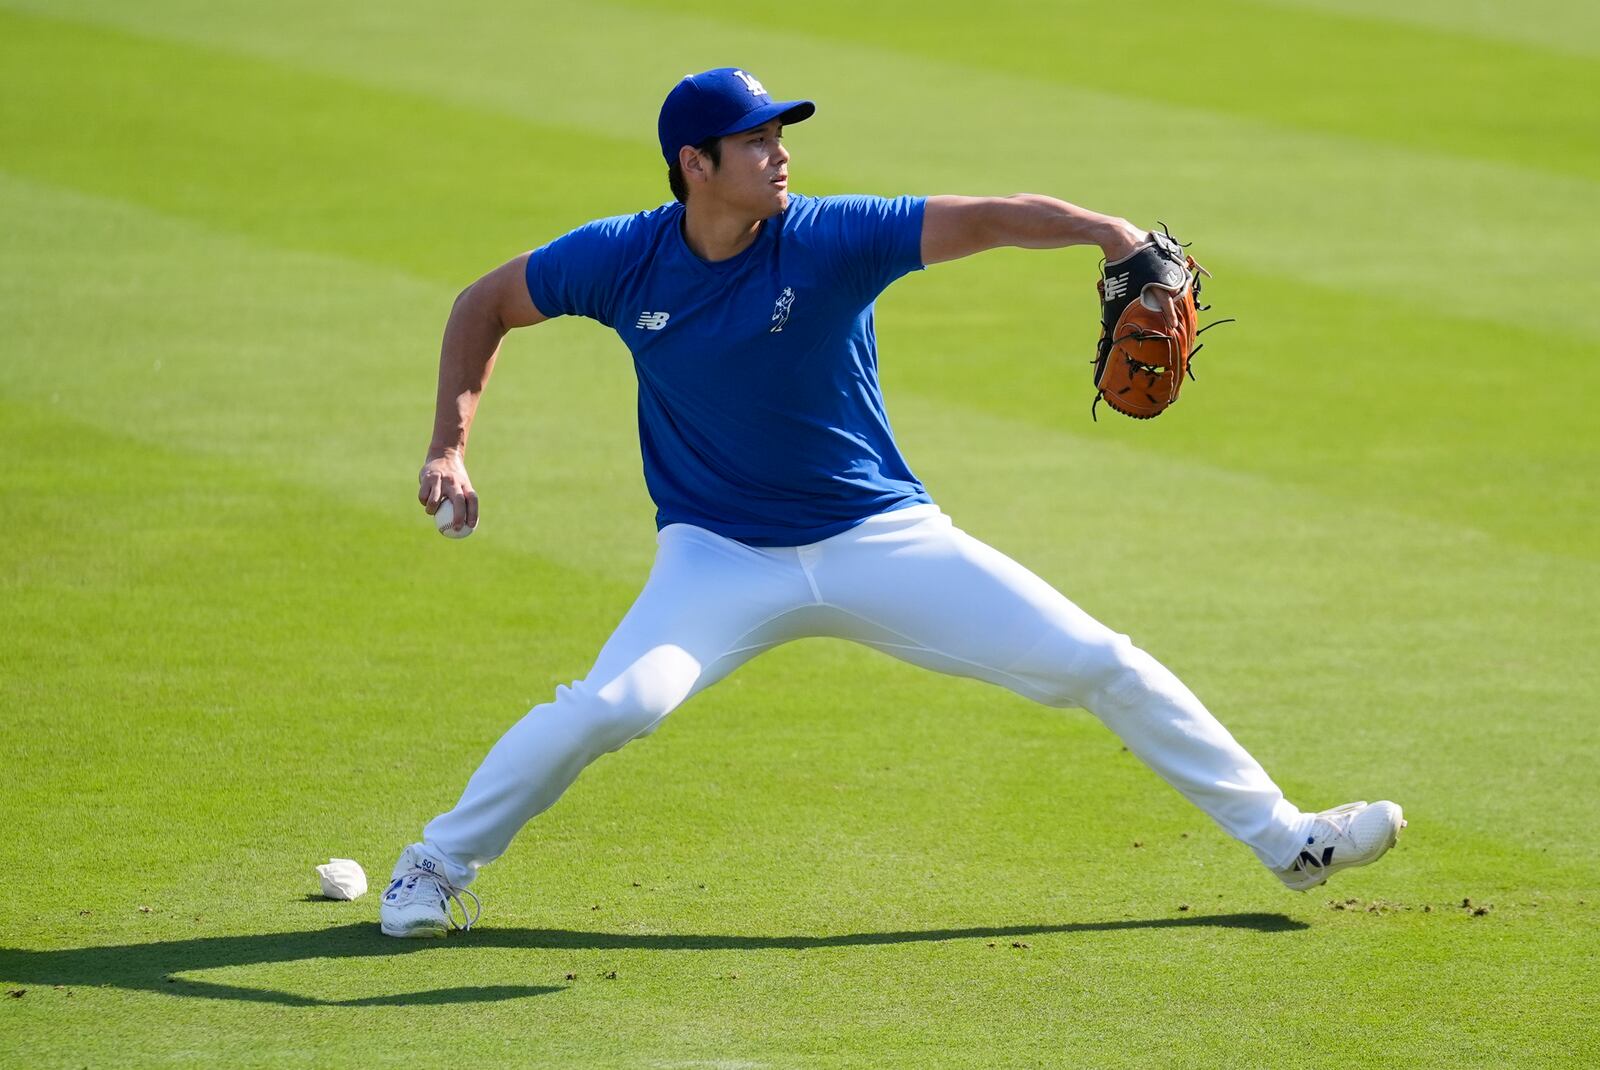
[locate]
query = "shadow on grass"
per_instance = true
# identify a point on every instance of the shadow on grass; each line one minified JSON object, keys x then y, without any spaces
{"x":159,"y":966}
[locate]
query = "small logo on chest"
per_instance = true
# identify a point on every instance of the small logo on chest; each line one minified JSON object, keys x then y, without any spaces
{"x":781,"y":308}
{"x":653,"y":321}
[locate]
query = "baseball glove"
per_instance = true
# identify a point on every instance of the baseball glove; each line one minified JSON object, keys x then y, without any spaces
{"x":1148,"y":315}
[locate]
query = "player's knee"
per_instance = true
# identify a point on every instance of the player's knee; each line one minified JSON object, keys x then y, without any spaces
{"x":1128,"y":675}
{"x":1108,"y":670}
{"x":624,"y":710}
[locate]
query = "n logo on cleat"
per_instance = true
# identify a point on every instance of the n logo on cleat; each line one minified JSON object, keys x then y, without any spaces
{"x":1308,"y":860}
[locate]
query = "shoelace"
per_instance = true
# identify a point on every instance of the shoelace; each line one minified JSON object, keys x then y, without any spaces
{"x":451,"y":894}
{"x":1341,"y":818}
{"x":454,"y":896}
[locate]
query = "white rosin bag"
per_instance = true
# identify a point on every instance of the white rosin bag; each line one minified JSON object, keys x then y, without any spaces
{"x":342,"y":878}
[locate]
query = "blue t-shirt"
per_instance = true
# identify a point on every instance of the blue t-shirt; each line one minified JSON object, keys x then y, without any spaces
{"x":760,"y":415}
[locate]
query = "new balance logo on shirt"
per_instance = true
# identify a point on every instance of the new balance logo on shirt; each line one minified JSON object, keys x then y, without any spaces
{"x":652,"y":321}
{"x":1116,"y":286}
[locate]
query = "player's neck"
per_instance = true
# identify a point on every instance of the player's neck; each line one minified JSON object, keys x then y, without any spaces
{"x":715,"y":232}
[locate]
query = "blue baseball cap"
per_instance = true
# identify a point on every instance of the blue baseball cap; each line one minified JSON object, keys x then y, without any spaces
{"x":719,"y":102}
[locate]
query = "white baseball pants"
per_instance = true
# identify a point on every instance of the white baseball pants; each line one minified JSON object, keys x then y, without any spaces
{"x":906,"y":582}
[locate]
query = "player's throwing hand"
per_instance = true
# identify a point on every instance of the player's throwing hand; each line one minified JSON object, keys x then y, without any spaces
{"x":444,"y":478}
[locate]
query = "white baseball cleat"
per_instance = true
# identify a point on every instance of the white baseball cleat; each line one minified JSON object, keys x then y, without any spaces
{"x":1346,"y":836}
{"x":417,"y":901}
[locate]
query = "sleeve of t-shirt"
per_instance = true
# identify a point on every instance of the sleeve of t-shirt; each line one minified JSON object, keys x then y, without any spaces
{"x":878,"y":239}
{"x":576,"y":274}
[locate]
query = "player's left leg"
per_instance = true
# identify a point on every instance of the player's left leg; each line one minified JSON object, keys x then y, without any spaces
{"x":911,"y":584}
{"x":709,"y":606}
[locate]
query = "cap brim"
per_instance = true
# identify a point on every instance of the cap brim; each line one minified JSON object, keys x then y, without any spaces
{"x":789,"y":111}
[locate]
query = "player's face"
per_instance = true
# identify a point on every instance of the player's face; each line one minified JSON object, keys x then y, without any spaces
{"x":754,"y":173}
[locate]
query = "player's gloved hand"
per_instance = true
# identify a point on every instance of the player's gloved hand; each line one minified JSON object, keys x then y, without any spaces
{"x":1148,"y":323}
{"x":444,"y":477}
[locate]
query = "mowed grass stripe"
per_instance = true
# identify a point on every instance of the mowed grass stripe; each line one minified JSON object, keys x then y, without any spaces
{"x":1562,"y":27}
{"x":1373,"y":79}
{"x":290,"y":158}
{"x":1472,"y":238}
{"x":1363,"y":73}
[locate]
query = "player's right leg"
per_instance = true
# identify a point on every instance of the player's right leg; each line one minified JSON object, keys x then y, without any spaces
{"x":709,"y":605}
{"x":916,"y":587}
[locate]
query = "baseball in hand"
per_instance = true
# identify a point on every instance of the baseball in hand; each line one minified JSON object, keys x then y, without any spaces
{"x":445,"y":520}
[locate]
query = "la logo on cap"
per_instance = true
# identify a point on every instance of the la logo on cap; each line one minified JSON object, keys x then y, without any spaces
{"x":755,"y":87}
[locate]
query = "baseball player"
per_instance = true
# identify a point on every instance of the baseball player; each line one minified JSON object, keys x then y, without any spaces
{"x":784,"y":506}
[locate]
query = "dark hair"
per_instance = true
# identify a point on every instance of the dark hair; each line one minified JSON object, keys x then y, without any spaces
{"x":712,"y":147}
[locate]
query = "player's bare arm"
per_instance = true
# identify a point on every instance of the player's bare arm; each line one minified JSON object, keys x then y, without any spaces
{"x":954,"y":227}
{"x":482,"y":315}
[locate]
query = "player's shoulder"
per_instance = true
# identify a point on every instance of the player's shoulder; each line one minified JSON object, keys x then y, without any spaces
{"x":807,"y":219}
{"x":804,"y":209}
{"x":626,"y":231}
{"x":842,"y":210}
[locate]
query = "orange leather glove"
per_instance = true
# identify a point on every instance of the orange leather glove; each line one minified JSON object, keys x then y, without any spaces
{"x":1148,"y":326}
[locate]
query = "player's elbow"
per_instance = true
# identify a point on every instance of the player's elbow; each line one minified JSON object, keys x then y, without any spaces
{"x":460,"y":309}
{"x":485,"y":303}
{"x":501,"y":297}
{"x":469,"y":301}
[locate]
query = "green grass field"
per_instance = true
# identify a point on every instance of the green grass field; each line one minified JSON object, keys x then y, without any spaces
{"x":235,"y":646}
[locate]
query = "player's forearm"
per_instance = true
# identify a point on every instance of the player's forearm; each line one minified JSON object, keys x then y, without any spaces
{"x":954,"y":227}
{"x":1034,"y":221}
{"x":472,"y":338}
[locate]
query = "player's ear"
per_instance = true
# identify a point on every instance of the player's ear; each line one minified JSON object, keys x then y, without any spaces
{"x":695,"y":165}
